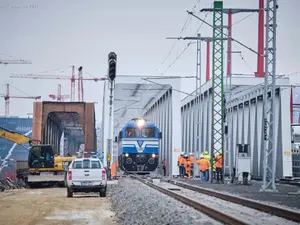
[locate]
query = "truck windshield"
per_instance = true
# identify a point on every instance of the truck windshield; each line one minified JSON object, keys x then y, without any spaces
{"x":87,"y":164}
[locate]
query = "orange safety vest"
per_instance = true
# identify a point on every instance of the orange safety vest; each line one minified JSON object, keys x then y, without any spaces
{"x":192,"y":160}
{"x":219,"y":163}
{"x":182,"y":161}
{"x":203,"y":164}
{"x":165,"y":163}
{"x":179,"y":158}
{"x":187,"y":163}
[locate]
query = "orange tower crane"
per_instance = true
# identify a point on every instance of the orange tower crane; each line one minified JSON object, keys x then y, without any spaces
{"x":62,"y":77}
{"x":15,"y":61}
{"x":6,"y":97}
{"x":59,"y":96}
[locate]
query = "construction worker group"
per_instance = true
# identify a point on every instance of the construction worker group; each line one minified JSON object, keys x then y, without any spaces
{"x":186,"y":163}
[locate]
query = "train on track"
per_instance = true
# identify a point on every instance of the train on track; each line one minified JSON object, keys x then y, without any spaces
{"x":138,"y":146}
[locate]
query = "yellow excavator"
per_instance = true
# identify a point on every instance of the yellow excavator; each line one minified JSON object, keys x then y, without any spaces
{"x":43,"y":165}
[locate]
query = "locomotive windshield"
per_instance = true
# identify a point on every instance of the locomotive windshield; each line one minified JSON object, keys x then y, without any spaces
{"x":148,"y":132}
{"x":132,"y":132}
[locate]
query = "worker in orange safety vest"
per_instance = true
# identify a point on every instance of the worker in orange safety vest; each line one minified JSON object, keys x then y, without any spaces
{"x":187,"y":166}
{"x":219,"y":167}
{"x":192,"y":160}
{"x":179,"y":163}
{"x":182,"y":165}
{"x":203,"y":164}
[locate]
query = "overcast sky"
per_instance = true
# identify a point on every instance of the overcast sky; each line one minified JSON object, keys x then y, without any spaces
{"x":59,"y":33}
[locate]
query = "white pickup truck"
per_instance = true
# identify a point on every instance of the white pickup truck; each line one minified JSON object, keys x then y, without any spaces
{"x":86,"y":175}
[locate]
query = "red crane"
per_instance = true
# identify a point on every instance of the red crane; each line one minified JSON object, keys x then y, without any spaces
{"x":80,"y":85}
{"x":15,"y":61}
{"x":6,"y":97}
{"x":62,"y":77}
{"x":59,"y":96}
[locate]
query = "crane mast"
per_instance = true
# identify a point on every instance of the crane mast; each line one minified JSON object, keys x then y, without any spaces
{"x":59,"y":96}
{"x":7,"y":98}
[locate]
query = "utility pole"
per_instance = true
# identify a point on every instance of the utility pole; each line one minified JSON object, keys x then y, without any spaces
{"x":230,"y":12}
{"x":228,"y":120}
{"x":112,"y":64}
{"x":217,"y":139}
{"x":197,"y":136}
{"x":198,"y":78}
{"x":269,"y":100}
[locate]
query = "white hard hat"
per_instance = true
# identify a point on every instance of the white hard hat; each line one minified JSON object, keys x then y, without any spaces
{"x":182,"y":153}
{"x":191,"y":153}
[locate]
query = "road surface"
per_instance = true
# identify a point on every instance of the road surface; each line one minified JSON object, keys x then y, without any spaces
{"x":50,"y":206}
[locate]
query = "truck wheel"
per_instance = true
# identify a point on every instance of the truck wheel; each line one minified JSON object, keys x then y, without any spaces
{"x":103,"y":192}
{"x":69,"y":193}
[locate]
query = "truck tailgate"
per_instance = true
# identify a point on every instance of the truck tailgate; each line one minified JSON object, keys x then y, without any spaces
{"x":86,"y":174}
{"x":87,"y":170}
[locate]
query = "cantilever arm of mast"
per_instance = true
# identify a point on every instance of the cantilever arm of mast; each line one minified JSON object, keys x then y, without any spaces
{"x":196,"y":38}
{"x":240,"y":43}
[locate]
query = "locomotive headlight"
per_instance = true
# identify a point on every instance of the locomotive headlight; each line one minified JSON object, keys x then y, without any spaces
{"x":140,"y":123}
{"x":153,"y":155}
{"x":126,"y":154}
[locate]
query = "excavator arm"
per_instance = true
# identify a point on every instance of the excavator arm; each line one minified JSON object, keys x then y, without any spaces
{"x":15,"y":137}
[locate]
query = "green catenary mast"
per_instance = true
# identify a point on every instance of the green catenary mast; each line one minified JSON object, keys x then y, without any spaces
{"x":217,"y":139}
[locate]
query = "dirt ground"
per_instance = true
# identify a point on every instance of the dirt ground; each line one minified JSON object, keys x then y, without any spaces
{"x":50,"y":206}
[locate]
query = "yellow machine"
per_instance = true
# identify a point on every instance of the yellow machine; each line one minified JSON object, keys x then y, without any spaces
{"x":15,"y":137}
{"x":43,"y":165}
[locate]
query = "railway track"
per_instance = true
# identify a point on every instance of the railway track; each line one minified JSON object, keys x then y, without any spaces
{"x":229,"y":217}
{"x":217,"y":215}
{"x":280,"y":212}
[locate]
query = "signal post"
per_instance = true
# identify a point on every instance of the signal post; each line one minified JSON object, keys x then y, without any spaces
{"x":112,"y":64}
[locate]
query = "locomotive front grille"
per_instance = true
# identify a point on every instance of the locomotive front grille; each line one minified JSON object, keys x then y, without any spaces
{"x":141,"y":159}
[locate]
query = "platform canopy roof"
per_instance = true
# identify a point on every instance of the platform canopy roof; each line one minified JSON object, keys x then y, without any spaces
{"x":131,"y":99}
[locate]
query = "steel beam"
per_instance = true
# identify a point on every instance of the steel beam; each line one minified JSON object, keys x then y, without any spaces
{"x":217,"y":140}
{"x":269,"y":98}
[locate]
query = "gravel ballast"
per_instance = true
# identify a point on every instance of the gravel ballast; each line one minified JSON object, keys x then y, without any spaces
{"x":251,"y":216}
{"x":138,"y":204}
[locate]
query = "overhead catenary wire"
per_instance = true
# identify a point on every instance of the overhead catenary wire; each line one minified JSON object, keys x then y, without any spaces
{"x":245,"y":17}
{"x":204,"y":22}
{"x":233,"y":39}
{"x":185,"y":25}
{"x":174,"y":89}
{"x":178,"y":56}
{"x":187,"y":46}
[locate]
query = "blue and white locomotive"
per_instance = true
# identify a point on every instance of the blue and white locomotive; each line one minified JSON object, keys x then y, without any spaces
{"x":138,"y":144}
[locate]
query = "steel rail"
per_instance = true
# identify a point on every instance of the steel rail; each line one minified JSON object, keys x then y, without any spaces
{"x":224,"y":218}
{"x":280,"y":212}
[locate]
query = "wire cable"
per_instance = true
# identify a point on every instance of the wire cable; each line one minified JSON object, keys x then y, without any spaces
{"x":185,"y":25}
{"x":47,"y":71}
{"x":237,"y":22}
{"x":187,"y":46}
{"x":19,"y":90}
